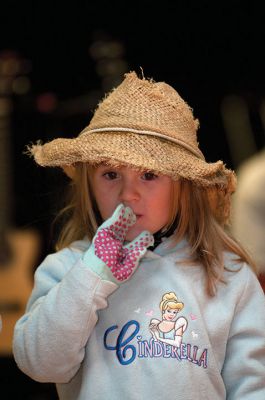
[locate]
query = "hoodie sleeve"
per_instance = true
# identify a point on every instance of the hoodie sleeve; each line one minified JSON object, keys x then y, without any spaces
{"x":244,"y":367}
{"x":50,"y":339}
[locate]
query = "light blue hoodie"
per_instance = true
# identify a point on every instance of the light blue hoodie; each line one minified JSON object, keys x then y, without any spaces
{"x":93,"y":339}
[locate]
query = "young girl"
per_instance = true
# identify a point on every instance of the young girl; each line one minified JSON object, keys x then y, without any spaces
{"x":146,"y":223}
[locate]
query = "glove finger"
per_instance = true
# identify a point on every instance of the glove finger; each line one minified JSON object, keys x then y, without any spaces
{"x":121,"y":226}
{"x":145,"y":239}
{"x":123,"y":217}
{"x":106,"y":229}
{"x":115,"y":217}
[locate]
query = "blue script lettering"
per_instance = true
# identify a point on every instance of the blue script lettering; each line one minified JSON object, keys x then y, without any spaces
{"x":122,"y":345}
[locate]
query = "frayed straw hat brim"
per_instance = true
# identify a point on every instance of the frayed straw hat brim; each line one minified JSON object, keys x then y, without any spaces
{"x":145,"y":125}
{"x":137,"y":151}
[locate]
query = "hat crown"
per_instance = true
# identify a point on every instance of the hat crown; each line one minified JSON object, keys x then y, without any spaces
{"x":147,"y":106}
{"x":118,"y":135}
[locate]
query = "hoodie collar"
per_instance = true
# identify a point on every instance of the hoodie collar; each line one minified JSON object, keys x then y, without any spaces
{"x":167,"y":246}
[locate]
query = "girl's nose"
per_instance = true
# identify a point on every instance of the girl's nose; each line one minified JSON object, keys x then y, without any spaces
{"x":129,"y":192}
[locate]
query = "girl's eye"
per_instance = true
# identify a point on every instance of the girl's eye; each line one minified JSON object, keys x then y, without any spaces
{"x":149,"y":176}
{"x":110,"y":175}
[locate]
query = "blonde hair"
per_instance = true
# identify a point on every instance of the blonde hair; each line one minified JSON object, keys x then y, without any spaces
{"x":80,"y":216}
{"x":195,"y":213}
{"x":170,"y":300}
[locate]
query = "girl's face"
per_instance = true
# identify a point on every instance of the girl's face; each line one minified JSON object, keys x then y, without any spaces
{"x":170,"y":314}
{"x":147,"y":194}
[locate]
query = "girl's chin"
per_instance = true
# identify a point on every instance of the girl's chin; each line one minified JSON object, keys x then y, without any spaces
{"x":133,"y":233}
{"x":130,"y":237}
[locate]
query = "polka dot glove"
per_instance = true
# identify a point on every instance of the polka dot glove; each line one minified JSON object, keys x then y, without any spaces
{"x":108,"y":255}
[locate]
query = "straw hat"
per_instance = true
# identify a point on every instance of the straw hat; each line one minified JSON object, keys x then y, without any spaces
{"x":145,"y":125}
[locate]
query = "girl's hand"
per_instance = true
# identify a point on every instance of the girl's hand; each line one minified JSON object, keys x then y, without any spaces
{"x":153,"y":327}
{"x":108,"y":244}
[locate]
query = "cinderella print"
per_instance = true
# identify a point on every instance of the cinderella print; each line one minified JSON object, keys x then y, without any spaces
{"x":170,"y":330}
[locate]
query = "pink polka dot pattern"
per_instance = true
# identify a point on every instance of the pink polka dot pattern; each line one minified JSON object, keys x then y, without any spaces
{"x":122,"y":260}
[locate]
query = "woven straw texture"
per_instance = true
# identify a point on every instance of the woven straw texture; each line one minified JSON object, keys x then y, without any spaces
{"x":145,"y":125}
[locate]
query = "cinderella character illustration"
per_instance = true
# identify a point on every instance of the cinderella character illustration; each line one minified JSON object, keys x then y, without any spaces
{"x":170,"y":330}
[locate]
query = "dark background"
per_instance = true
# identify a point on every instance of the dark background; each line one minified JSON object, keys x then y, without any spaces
{"x":73,"y":52}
